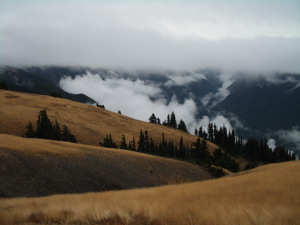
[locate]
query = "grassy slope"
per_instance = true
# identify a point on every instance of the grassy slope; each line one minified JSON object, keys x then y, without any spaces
{"x":35,"y":167}
{"x":265,"y":195}
{"x":88,"y":123}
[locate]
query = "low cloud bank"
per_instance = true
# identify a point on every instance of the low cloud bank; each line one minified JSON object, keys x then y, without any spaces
{"x":132,"y":98}
{"x":290,"y":136}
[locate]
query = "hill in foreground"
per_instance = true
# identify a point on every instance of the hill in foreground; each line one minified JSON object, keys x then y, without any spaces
{"x":36,"y":167}
{"x":265,"y":195}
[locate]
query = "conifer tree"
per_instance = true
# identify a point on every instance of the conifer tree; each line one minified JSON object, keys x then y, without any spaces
{"x":133,"y":144}
{"x":173,"y":122}
{"x":210,"y":131}
{"x":158,"y":121}
{"x":152,"y":119}
{"x":123,"y":144}
{"x":57,"y":131}
{"x":67,"y":136}
{"x":108,"y":142}
{"x":29,"y":131}
{"x":141,"y":142}
{"x":196,"y":132}
{"x":182,"y":126}
{"x":181,"y":148}
{"x":146,"y":141}
{"x":44,"y":128}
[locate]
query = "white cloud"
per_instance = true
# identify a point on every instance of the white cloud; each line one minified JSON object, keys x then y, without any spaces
{"x":271,"y":143}
{"x":181,"y":79}
{"x":290,"y":136}
{"x":212,"y":99}
{"x":131,"y":97}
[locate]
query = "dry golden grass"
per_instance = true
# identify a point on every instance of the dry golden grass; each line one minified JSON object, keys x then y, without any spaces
{"x":88,"y":123}
{"x":36,"y":167}
{"x":265,"y":195}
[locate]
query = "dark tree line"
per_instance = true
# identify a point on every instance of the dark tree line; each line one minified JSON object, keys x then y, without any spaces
{"x":255,"y":150}
{"x":45,"y":129}
{"x":108,"y":142}
{"x":197,"y":152}
{"x":170,"y":122}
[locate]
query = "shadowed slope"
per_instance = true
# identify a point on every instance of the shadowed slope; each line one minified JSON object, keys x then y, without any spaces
{"x":35,"y":167}
{"x":267,"y":195}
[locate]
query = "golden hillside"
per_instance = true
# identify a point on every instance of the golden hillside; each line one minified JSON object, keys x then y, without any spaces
{"x":267,"y":195}
{"x":36,"y":167}
{"x":88,"y":123}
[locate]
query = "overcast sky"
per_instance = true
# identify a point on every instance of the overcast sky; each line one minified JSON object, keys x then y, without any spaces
{"x":259,"y":35}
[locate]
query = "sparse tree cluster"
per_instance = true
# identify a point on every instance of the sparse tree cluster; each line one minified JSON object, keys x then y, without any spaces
{"x":100,"y":106}
{"x":197,"y":152}
{"x":108,"y":142}
{"x":45,"y":129}
{"x":170,"y":122}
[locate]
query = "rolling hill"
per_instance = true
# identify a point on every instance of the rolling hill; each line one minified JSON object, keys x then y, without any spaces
{"x":90,"y":124}
{"x":265,"y":195}
{"x":36,"y":167}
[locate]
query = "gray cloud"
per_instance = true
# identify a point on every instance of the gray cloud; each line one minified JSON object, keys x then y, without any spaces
{"x":236,"y":36}
{"x":181,"y":79}
{"x":290,"y":136}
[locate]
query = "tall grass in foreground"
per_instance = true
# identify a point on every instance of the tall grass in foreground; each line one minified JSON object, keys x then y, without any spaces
{"x":266,"y":195}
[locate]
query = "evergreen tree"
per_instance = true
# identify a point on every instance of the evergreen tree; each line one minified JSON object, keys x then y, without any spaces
{"x":141,"y":142}
{"x":133,"y":144}
{"x":200,"y":133}
{"x":200,"y":152}
{"x":146,"y":141}
{"x":210,"y":131}
{"x":44,"y":128}
{"x":181,"y":148}
{"x":29,"y":131}
{"x":182,"y":126}
{"x":123,"y":144}
{"x":196,"y":132}
{"x":108,"y":142}
{"x":152,"y":119}
{"x":57,"y":131}
{"x":158,"y":121}
{"x":67,"y":136}
{"x":173,"y":122}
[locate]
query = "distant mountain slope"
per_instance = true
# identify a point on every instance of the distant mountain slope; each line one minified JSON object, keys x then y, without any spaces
{"x":35,"y":167}
{"x":90,"y":124}
{"x":39,"y":81}
{"x":264,"y":105}
{"x":255,"y":105}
